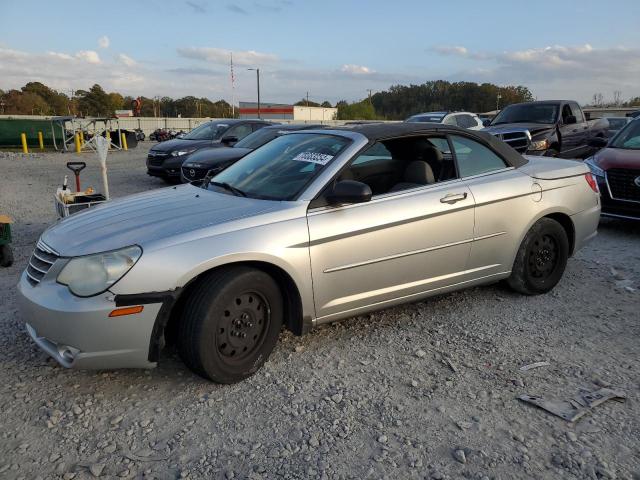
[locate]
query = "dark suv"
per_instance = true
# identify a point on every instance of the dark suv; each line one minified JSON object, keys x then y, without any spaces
{"x":214,"y":160}
{"x":165,"y":159}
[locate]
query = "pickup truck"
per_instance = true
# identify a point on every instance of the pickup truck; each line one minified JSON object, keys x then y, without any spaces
{"x":555,"y":128}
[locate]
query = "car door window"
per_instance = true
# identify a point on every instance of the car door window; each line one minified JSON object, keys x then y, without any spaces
{"x":474,"y":158}
{"x":566,"y":113}
{"x":577,"y":112}
{"x":239,"y":131}
{"x":402,"y":163}
{"x":450,"y":120}
{"x":257,"y":126}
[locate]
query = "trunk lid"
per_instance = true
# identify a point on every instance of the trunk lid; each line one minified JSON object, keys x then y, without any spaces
{"x":548,"y":168}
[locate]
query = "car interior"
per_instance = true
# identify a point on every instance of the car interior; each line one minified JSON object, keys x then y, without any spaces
{"x":402,"y":163}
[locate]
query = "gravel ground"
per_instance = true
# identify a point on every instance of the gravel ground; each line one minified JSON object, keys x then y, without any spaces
{"x":427,"y":390}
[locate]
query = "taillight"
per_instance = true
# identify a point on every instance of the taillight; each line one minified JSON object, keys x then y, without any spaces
{"x":592,"y":182}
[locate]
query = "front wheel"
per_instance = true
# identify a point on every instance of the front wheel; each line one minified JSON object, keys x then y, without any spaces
{"x":231,"y":324}
{"x":541,"y":258}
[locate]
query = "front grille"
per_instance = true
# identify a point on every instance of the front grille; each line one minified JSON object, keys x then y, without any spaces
{"x":194,"y":173}
{"x":42,"y":259}
{"x":516,"y":140}
{"x":156,"y":159}
{"x":624,"y":184}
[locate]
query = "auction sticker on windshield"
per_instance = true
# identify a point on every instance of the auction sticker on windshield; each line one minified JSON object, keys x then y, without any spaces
{"x":319,"y":158}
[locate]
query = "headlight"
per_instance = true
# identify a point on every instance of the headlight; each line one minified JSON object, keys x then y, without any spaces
{"x":179,"y":153}
{"x":93,"y":274}
{"x":595,"y":169}
{"x":539,"y":145}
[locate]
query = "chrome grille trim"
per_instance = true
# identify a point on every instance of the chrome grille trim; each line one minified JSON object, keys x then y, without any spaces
{"x":620,"y":182}
{"x":41,"y":261}
{"x":517,"y":139}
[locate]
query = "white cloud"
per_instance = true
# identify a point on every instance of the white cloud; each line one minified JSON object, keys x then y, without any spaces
{"x":126,"y":60}
{"x":89,"y":56}
{"x":221,"y":56}
{"x":575,"y":72}
{"x":356,"y":69}
{"x":103,"y":42}
{"x":451,"y":50}
{"x":63,"y":56}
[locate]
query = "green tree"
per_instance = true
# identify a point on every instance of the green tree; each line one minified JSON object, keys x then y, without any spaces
{"x":326,"y":104}
{"x":95,"y":102}
{"x":362,"y":110}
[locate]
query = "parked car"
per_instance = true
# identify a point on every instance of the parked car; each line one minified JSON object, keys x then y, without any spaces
{"x":616,"y":124}
{"x":617,"y":169}
{"x":214,"y":160}
{"x":461,"y":119}
{"x":312,"y":227}
{"x":555,"y":128}
{"x":165,"y":159}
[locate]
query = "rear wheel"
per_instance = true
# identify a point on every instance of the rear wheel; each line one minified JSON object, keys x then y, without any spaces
{"x":541,"y":259}
{"x":231,"y":324}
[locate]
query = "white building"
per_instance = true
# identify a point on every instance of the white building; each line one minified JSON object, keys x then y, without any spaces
{"x":280,"y":111}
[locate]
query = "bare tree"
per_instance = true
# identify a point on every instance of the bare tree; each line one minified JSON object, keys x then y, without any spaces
{"x":617,"y":98}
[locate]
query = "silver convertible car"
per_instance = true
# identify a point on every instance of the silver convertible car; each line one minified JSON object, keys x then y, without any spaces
{"x":313,"y":227}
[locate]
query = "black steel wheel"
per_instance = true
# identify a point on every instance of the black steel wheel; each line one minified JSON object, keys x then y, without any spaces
{"x":230,"y":324}
{"x":541,"y":258}
{"x":243,"y":327}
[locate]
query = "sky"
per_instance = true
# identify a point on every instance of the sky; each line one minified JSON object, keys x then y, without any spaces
{"x":332,"y":49}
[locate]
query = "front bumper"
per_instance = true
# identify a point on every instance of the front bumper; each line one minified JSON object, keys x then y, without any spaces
{"x":624,"y":209}
{"x":78,"y":332}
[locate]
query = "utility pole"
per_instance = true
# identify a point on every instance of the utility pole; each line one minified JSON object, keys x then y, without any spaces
{"x":258,"y":82}
{"x":369,"y":90}
{"x":498,"y":101}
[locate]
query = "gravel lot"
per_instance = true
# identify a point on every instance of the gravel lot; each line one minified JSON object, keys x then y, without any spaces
{"x":397,"y":394}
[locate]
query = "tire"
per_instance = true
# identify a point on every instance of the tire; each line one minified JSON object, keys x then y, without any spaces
{"x":541,"y":258}
{"x":230,"y":324}
{"x":6,"y":256}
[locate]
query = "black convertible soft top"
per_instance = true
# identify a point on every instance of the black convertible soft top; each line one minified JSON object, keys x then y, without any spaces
{"x":382,"y":131}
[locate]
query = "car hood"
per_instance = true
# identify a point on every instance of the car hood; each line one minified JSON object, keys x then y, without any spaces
{"x":617,"y":158}
{"x":534,"y":128}
{"x":148,"y":217}
{"x":178,"y":143}
{"x":211,"y":156}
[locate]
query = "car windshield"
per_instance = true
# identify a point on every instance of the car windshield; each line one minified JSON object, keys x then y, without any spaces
{"x":207,"y":131}
{"x":628,"y":137}
{"x":259,"y":138}
{"x":280,"y":169}
{"x":528,"y":113}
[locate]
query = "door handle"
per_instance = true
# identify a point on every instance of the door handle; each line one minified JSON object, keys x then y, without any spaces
{"x":453,"y":197}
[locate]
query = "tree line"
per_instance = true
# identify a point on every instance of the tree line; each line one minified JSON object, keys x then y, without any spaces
{"x":396,"y":103}
{"x":35,"y":98}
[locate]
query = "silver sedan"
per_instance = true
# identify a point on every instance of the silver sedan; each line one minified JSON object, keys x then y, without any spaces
{"x":313,"y":227}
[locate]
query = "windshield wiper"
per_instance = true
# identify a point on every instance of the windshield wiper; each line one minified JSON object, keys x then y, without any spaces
{"x":230,"y":188}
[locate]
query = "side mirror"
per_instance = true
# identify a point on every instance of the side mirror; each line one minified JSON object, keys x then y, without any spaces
{"x":570,"y":120}
{"x":349,"y":191}
{"x":486,"y":122}
{"x":229,"y":141}
{"x":598,"y":142}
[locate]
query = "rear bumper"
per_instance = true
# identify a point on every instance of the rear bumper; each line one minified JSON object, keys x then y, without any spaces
{"x":78,"y":332}
{"x":586,"y":226}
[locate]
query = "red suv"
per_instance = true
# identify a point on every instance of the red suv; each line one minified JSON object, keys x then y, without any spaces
{"x":617,"y":169}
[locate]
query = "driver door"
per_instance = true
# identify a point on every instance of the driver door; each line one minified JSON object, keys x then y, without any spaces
{"x":395,"y":247}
